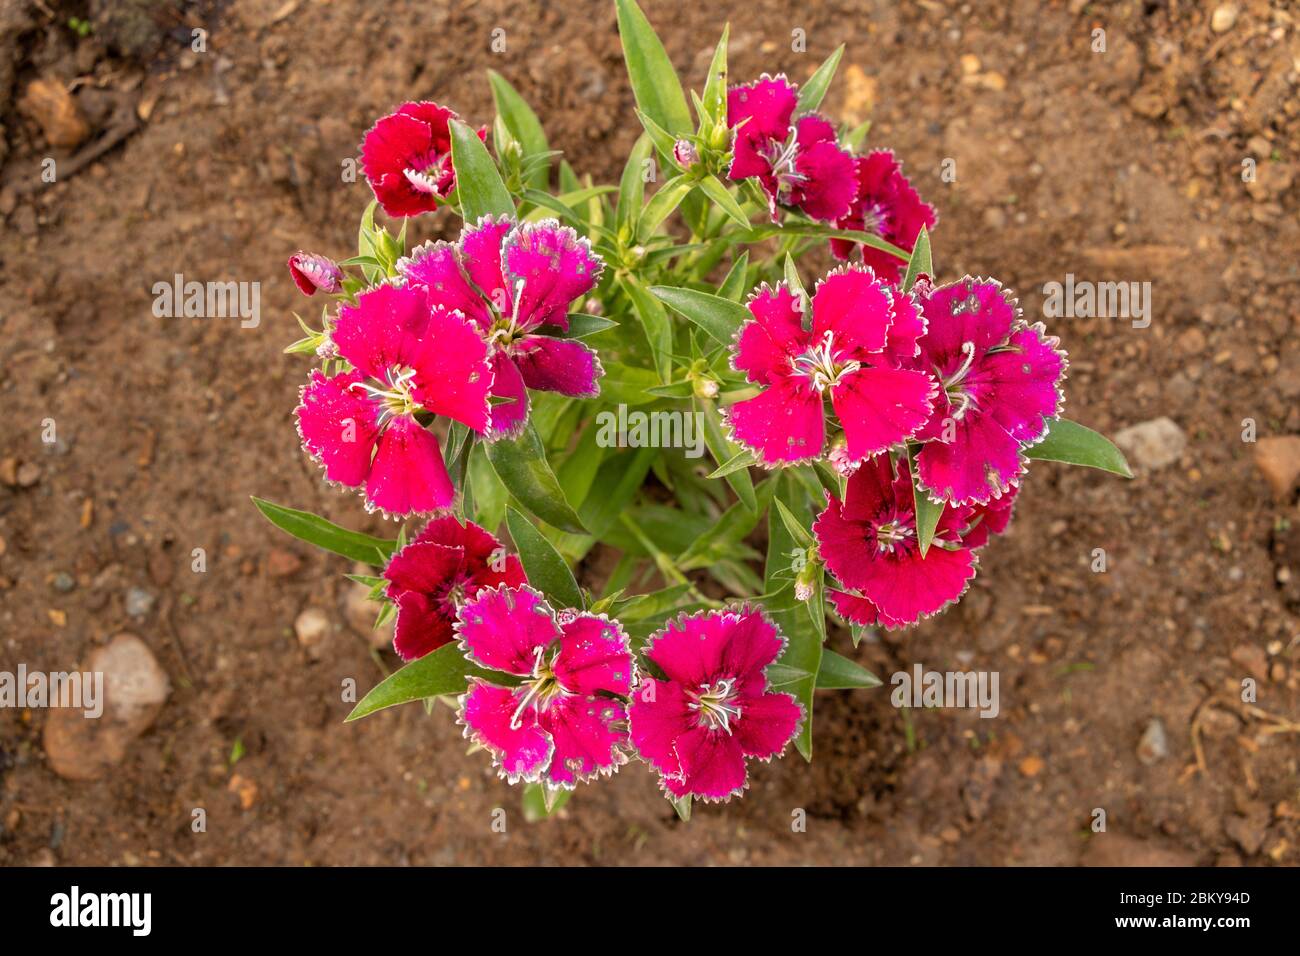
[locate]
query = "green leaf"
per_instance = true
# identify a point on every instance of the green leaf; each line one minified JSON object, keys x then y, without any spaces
{"x":655,"y":85}
{"x":664,"y":141}
{"x":478,"y":182}
{"x":723,"y":450}
{"x":540,"y":801}
{"x":441,"y":672}
{"x":837,"y":672}
{"x":719,"y":317}
{"x":719,"y":193}
{"x":920,"y":261}
{"x":796,"y":530}
{"x":314,"y":529}
{"x":521,"y":465}
{"x":523,"y":125}
{"x":546,"y":570}
{"x":733,"y":286}
{"x":662,"y":205}
{"x":640,"y":606}
{"x":631,"y":187}
{"x":683,"y":807}
{"x":1074,"y":444}
{"x":654,"y":319}
{"x":812,"y":92}
{"x":714,"y":99}
{"x":581,"y":325}
{"x":928,"y":512}
{"x":742,"y":459}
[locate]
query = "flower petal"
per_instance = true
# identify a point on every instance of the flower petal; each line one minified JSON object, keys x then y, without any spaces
{"x":764,"y":107}
{"x":338,"y":426}
{"x":502,"y":628}
{"x":1020,"y":387}
{"x":557,"y":365}
{"x":784,"y":423}
{"x":594,"y":656}
{"x":435,"y":266}
{"x":766,"y":343}
{"x":854,"y":306}
{"x":826,"y":190}
{"x":975,"y":311}
{"x":508,"y":418}
{"x":389,"y":148}
{"x":853,"y":607}
{"x":423,"y":566}
{"x":479,"y":254}
{"x":658,"y":713}
{"x":408,"y":475}
{"x":556,"y":267}
{"x":423,"y":625}
{"x":767,"y":723}
{"x":519,"y":752}
{"x":713,"y":765}
{"x":910,"y":587}
{"x":382,"y":330}
{"x":880,"y":407}
{"x":982,"y":462}
{"x":589,"y":734}
{"x":453,"y":374}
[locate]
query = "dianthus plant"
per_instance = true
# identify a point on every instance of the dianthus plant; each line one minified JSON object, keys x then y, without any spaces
{"x":743,"y":345}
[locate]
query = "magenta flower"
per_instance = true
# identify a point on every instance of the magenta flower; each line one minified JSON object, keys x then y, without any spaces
{"x":798,"y":162}
{"x":406,"y":157}
{"x":869,"y":544}
{"x":312,"y":273}
{"x":887,"y":206}
{"x":443,"y":567}
{"x":714,"y":710}
{"x":511,"y":280}
{"x":566,"y":722}
{"x":407,"y":357}
{"x":862,"y":332}
{"x":1001,"y":386}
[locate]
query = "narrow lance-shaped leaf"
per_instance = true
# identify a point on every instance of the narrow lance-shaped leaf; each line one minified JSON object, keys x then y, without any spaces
{"x":837,"y":672}
{"x":920,"y":261}
{"x":315,"y":530}
{"x":522,"y":467}
{"x":546,"y":570}
{"x":927,"y":512}
{"x":1075,"y":444}
{"x":719,"y":317}
{"x":478,"y":182}
{"x":440,"y":672}
{"x":655,"y":321}
{"x":813,"y":91}
{"x":655,"y":85}
{"x":522,"y":123}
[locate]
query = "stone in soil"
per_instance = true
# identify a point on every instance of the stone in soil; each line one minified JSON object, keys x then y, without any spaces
{"x":1153,"y":444}
{"x":1278,"y":460}
{"x":134,"y":689}
{"x":1154,"y":745}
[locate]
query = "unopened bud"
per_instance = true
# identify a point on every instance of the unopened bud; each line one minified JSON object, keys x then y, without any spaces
{"x":685,"y":153}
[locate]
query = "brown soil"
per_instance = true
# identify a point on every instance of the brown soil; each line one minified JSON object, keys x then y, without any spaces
{"x":1123,"y":165}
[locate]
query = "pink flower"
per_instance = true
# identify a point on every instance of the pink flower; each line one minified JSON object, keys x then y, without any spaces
{"x":312,"y":272}
{"x":714,"y":710}
{"x":406,"y":157}
{"x":869,"y":544}
{"x":798,"y":162}
{"x":861,"y":333}
{"x":444,"y":566}
{"x":1001,"y":386}
{"x":407,"y":358}
{"x":887,"y":206}
{"x":511,"y":280}
{"x":566,"y":722}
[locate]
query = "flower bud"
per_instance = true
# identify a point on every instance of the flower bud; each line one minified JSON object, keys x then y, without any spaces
{"x":685,"y":153}
{"x":311,"y":272}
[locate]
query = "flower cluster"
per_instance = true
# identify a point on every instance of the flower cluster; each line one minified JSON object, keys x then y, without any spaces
{"x":799,"y":164}
{"x":580,"y":707}
{"x":905,"y":410}
{"x":457,"y":334}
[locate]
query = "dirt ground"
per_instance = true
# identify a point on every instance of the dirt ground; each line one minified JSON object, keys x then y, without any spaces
{"x":1117,"y":165}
